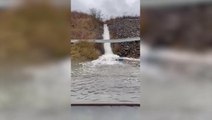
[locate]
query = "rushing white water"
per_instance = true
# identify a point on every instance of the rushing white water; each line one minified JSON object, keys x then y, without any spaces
{"x":109,"y":58}
{"x":106,"y":36}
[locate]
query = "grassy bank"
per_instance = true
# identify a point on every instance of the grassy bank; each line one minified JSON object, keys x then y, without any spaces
{"x":84,"y":51}
{"x":85,"y":26}
{"x":33,"y":33}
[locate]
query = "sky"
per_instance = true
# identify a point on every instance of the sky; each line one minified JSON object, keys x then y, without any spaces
{"x":110,"y":8}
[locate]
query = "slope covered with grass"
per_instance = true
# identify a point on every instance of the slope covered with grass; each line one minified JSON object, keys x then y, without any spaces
{"x":33,"y":33}
{"x":83,"y":27}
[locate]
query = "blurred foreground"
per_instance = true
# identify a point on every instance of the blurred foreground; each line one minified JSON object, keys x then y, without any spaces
{"x":177,"y":61}
{"x":35,"y":67}
{"x":36,"y":92}
{"x":176,"y":85}
{"x":33,"y":32}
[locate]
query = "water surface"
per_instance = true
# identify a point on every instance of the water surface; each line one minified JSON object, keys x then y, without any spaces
{"x":116,"y":83}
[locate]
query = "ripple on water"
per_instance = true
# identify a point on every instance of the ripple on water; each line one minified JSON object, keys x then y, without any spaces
{"x":105,"y":83}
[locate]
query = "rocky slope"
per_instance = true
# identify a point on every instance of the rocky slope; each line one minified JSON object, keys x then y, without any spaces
{"x":125,"y":27}
{"x":185,"y":26}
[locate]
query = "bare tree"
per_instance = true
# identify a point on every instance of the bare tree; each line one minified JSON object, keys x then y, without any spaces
{"x":96,"y":13}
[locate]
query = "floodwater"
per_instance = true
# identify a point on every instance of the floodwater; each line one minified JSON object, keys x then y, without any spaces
{"x":117,"y":83}
{"x":36,"y":92}
{"x":176,"y":85}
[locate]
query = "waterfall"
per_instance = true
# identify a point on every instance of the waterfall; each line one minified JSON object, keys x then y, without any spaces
{"x":109,"y":57}
{"x":106,"y":36}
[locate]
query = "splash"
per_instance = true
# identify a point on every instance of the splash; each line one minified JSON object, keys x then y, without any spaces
{"x":109,"y":58}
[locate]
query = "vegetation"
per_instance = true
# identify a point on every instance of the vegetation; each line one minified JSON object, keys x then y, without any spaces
{"x":85,"y":26}
{"x":97,"y":14}
{"x":38,"y":32}
{"x":84,"y":51}
{"x":33,"y":33}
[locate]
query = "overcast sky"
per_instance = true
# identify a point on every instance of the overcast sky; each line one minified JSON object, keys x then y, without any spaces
{"x":110,"y":8}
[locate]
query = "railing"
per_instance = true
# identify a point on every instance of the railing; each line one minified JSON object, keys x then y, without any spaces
{"x":108,"y":41}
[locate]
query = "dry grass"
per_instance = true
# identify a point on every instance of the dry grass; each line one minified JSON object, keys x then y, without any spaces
{"x":32,"y":33}
{"x":84,"y":26}
{"x":84,"y":51}
{"x":41,"y":32}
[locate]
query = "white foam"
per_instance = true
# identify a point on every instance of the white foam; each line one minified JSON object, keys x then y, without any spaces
{"x":109,"y":58}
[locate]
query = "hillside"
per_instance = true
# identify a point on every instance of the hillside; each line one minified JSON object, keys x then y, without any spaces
{"x":85,"y":26}
{"x":184,"y":26}
{"x":125,"y":27}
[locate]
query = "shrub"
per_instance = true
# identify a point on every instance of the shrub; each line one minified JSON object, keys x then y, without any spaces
{"x":84,"y":51}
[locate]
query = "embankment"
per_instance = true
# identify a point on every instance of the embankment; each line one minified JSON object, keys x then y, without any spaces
{"x":186,"y":26}
{"x":125,"y":27}
{"x":85,"y":26}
